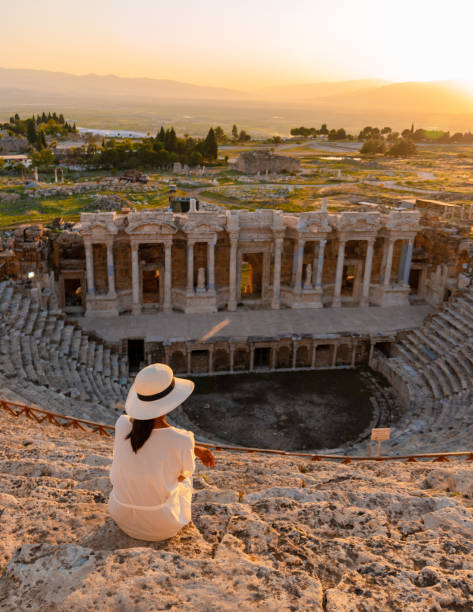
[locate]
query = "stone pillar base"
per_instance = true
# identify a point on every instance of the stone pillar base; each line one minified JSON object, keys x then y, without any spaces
{"x":101,"y":305}
{"x":201,"y":302}
{"x":394,"y":295}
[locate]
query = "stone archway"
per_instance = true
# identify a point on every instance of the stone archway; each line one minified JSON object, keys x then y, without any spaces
{"x":302,"y":357}
{"x":284,"y":357}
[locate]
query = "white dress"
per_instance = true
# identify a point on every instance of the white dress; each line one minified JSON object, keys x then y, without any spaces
{"x":147,"y":501}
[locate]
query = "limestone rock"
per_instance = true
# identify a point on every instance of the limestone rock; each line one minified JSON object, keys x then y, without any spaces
{"x":264,"y":535}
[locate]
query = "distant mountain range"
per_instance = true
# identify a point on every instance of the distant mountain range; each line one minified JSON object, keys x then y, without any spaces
{"x":142,"y":103}
{"x":44,"y":82}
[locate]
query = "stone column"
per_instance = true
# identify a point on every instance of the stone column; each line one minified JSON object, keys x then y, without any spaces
{"x":190,"y":267}
{"x":407,"y":263}
{"x":314,"y":354}
{"x":277,"y":273}
{"x":274,"y":354}
{"x":167,"y":305}
{"x":294,"y":355}
{"x":211,"y":265}
{"x":365,"y":296}
{"x":334,"y":356}
{"x":320,"y":264}
{"x":353,"y":354}
{"x":189,"y":360}
{"x":211,"y":359}
{"x":89,"y":264}
{"x":110,"y":270}
{"x":300,"y":261}
{"x":232,"y":273}
{"x":370,"y":357}
{"x":389,"y":263}
{"x":232,"y":356}
{"x":252,"y":357}
{"x":337,"y":292}
{"x":135,"y":276}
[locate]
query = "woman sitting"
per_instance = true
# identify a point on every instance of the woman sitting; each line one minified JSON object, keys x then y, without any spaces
{"x":153,"y":462}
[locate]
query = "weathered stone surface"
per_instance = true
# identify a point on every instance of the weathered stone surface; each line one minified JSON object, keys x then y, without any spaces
{"x":268,"y":533}
{"x":251,"y":162}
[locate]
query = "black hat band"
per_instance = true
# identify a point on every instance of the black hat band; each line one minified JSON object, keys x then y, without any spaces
{"x":157,"y":396}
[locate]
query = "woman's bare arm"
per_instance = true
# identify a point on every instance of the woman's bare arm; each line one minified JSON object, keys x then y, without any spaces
{"x":205,"y":456}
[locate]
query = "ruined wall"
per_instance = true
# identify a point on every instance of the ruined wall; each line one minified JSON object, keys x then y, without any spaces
{"x":222,"y":262}
{"x":179,"y":254}
{"x":251,"y":162}
{"x":286,"y":261}
{"x":100,"y":268}
{"x":122,"y":260}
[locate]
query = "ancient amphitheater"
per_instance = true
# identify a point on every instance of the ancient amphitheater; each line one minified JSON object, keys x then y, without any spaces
{"x":386,"y":293}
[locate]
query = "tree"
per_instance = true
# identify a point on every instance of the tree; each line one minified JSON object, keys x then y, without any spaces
{"x":31,"y":133}
{"x":43,"y":159}
{"x":372,"y":146}
{"x":402,"y":148}
{"x":160,"y":135}
{"x":243,"y":136}
{"x":195,"y":158}
{"x":41,"y":143}
{"x":219,"y":135}
{"x":170,"y":140}
{"x":210,"y":145}
{"x":386,"y":130}
{"x":234,"y":132}
{"x":323,"y":130}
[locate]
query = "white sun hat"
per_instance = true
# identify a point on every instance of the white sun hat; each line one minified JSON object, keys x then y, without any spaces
{"x":155,"y":392}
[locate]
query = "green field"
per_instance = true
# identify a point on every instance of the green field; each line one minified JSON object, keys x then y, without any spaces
{"x":329,"y":170}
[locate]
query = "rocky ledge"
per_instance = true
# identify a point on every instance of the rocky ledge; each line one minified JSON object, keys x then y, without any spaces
{"x":268,"y":533}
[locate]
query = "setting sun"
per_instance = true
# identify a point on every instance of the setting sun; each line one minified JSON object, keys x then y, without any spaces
{"x":256,"y":44}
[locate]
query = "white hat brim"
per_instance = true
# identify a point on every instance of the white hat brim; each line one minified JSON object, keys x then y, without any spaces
{"x":138,"y":409}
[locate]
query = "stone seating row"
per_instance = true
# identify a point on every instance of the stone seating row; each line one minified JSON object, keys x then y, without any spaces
{"x":42,"y":349}
{"x":436,"y":362}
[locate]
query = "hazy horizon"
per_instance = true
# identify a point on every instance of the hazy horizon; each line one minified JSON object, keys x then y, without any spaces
{"x":263,"y":44}
{"x":269,"y":65}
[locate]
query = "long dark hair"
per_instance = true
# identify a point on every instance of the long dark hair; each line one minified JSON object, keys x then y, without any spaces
{"x":140,"y":432}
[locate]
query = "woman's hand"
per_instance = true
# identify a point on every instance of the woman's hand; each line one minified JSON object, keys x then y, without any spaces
{"x":205,"y":456}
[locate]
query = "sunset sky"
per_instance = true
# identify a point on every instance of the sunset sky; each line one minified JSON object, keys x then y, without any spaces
{"x":244,"y":44}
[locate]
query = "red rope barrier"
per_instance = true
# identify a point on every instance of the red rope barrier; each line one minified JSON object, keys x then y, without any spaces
{"x":39,"y":415}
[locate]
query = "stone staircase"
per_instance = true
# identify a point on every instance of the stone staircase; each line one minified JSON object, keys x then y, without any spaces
{"x":435,"y":362}
{"x":48,"y":361}
{"x":268,"y":533}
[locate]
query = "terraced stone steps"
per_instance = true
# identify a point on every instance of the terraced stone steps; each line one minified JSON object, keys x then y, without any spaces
{"x":40,"y":348}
